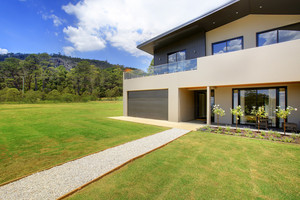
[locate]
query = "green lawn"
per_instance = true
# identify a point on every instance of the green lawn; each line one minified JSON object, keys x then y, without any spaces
{"x":206,"y":166}
{"x":37,"y":136}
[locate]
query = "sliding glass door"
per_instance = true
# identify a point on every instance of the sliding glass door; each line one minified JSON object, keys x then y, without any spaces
{"x":270,"y":98}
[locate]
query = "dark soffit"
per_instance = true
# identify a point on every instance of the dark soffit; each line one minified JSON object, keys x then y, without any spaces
{"x":225,"y":14}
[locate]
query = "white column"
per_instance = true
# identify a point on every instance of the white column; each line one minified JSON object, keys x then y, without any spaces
{"x":208,"y":107}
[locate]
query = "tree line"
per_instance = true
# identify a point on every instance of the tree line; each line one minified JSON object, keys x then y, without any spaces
{"x":36,"y":78}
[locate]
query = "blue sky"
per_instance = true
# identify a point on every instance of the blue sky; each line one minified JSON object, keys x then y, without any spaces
{"x":96,"y":29}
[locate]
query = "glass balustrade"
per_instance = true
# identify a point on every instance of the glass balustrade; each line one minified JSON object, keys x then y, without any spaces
{"x":185,"y":65}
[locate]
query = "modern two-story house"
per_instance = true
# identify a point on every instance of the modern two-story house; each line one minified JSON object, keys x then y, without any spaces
{"x":244,"y":53}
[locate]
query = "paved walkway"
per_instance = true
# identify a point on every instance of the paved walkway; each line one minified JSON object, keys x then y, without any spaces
{"x":192,"y":125}
{"x":60,"y":180}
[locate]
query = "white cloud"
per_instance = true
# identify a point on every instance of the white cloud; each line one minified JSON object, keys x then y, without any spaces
{"x":84,"y":40}
{"x":56,"y":20}
{"x":3,"y":51}
{"x":68,"y":50}
{"x":126,"y":23}
{"x":234,"y":45}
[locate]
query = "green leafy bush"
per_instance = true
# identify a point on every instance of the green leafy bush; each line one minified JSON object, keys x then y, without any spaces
{"x":67,"y":97}
{"x":238,"y":130}
{"x":12,"y":94}
{"x":263,"y":133}
{"x":228,"y":128}
{"x":278,"y":135}
{"x":295,"y":136}
{"x":271,"y":138}
{"x":33,"y":96}
{"x":220,"y":130}
{"x":54,"y":95}
{"x":287,"y":139}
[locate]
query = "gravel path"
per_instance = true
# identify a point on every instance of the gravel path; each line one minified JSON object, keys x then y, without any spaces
{"x":60,"y":180}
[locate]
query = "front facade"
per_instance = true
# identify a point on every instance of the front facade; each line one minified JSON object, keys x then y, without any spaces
{"x":245,"y":53}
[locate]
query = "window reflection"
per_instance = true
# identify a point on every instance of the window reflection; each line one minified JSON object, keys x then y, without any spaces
{"x":177,"y":56}
{"x":283,"y":34}
{"x":287,"y":35}
{"x":282,"y":102}
{"x":228,"y":46}
{"x":267,"y":38}
{"x":172,"y":58}
{"x":234,"y":45}
{"x":219,"y":48}
{"x":248,"y":98}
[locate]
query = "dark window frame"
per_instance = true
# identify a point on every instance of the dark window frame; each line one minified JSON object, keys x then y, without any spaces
{"x":176,"y":55}
{"x":212,"y":45}
{"x":196,"y":109}
{"x":273,"y":29}
{"x":260,"y":88}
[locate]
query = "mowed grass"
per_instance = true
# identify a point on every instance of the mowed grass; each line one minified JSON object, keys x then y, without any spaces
{"x":38,"y":136}
{"x":206,"y":166}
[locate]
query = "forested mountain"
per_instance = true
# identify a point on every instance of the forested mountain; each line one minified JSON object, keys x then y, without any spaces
{"x":58,"y":59}
{"x":56,"y":76}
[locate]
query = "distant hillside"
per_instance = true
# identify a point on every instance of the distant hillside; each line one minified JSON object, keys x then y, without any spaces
{"x":67,"y":61}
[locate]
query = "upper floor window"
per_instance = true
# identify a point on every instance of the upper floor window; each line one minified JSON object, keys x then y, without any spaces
{"x":282,"y":34}
{"x":234,"y":44}
{"x":176,"y":57}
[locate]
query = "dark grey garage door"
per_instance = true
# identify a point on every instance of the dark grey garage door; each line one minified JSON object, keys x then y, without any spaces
{"x":148,"y":104}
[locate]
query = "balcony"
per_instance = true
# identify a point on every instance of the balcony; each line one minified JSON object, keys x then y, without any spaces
{"x":186,"y":65}
{"x":274,"y":63}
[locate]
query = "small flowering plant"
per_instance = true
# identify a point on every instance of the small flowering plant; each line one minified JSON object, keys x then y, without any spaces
{"x":237,"y":112}
{"x":217,"y":110}
{"x":284,"y":113}
{"x":259,"y":113}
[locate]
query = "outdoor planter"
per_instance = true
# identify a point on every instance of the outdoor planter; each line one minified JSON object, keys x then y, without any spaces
{"x":250,"y":133}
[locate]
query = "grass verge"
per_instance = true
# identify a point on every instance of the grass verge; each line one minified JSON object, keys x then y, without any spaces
{"x":202,"y":165}
{"x":38,"y":136}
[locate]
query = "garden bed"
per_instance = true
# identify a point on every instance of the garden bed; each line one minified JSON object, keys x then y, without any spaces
{"x":253,"y":133}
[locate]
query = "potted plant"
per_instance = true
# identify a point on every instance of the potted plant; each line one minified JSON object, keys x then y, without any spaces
{"x":259,"y":113}
{"x":284,"y":113}
{"x":219,"y":112}
{"x":237,"y":112}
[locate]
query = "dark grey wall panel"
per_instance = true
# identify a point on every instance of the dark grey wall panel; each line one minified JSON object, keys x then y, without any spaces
{"x":194,"y":46}
{"x":148,"y":104}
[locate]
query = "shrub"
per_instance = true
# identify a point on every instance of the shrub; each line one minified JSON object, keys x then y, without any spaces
{"x":218,"y":111}
{"x":259,"y":113}
{"x":263,"y":133}
{"x":33,"y":96}
{"x":284,"y":113}
{"x":261,"y":137}
{"x":278,"y":135}
{"x":246,"y":130}
{"x":238,"y":130}
{"x":237,"y":112}
{"x":228,"y":128}
{"x":204,"y":128}
{"x":271,"y":138}
{"x":54,"y":95}
{"x":209,"y":129}
{"x":67,"y":97}
{"x":294,"y":136}
{"x":13,"y":94}
{"x":287,"y":139}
